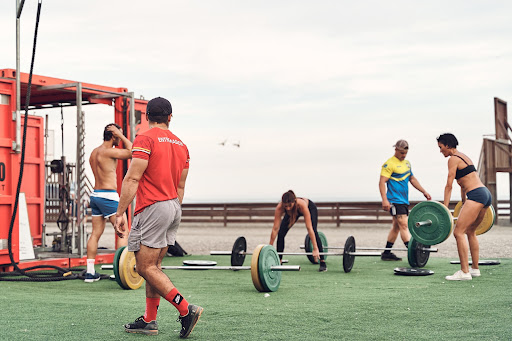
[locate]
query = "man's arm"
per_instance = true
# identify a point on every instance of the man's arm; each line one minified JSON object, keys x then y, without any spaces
{"x":382,"y":189}
{"x":181,"y":185}
{"x":120,"y":153}
{"x":129,"y":189}
{"x":416,"y":184}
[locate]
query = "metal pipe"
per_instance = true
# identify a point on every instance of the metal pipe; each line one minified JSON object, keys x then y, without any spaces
{"x":17,"y":144}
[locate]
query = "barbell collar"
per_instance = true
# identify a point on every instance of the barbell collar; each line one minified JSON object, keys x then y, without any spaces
{"x":423,"y":223}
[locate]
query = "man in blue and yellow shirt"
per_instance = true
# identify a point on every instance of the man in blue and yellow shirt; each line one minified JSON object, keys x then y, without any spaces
{"x":396,"y":173}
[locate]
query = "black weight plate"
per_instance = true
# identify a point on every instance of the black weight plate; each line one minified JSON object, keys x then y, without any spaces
{"x":413,"y":272}
{"x":239,"y":246}
{"x":411,"y":253}
{"x":422,"y":256}
{"x":348,"y":260}
{"x":482,"y":262}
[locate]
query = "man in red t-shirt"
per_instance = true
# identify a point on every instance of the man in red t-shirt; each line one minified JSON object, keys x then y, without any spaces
{"x":157,"y":174}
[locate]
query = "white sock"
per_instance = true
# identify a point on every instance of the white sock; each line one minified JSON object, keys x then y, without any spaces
{"x":90,"y":266}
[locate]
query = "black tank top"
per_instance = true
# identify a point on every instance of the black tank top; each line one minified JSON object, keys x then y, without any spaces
{"x":460,"y":173}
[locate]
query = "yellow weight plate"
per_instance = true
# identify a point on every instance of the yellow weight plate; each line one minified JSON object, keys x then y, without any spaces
{"x":129,"y":277}
{"x":254,"y":268}
{"x":486,"y":224}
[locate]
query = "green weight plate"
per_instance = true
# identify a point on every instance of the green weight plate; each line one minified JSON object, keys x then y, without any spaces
{"x":240,"y":245}
{"x":308,"y":245}
{"x":267,"y":258}
{"x":117,"y":256}
{"x":412,"y":272}
{"x":411,"y":254}
{"x":348,"y":260}
{"x":441,"y":222}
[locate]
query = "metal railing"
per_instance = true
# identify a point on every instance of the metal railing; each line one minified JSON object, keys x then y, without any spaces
{"x":354,"y":212}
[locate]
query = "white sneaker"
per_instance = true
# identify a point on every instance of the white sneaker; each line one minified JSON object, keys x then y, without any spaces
{"x":459,"y":276}
{"x":474,"y":272}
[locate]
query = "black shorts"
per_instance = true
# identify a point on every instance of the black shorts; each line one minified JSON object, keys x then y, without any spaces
{"x":399,"y":209}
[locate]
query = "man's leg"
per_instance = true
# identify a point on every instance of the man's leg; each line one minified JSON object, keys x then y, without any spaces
{"x":403,"y":228}
{"x":98,"y":226}
{"x":392,"y":235}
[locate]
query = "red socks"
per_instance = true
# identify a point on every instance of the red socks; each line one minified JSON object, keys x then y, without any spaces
{"x":178,"y":301}
{"x":151,"y":309}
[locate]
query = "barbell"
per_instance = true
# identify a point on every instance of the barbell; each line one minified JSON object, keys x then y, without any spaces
{"x":265,"y":269}
{"x":418,"y":254}
{"x":430,"y":222}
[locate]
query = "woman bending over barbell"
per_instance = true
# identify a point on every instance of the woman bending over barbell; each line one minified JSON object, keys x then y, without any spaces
{"x":292,"y":208}
{"x":476,"y":198}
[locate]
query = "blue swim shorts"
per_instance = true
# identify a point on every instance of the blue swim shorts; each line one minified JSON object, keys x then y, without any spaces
{"x":104,"y":202}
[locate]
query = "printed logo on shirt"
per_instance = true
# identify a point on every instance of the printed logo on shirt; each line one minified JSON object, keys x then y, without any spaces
{"x":166,"y":139}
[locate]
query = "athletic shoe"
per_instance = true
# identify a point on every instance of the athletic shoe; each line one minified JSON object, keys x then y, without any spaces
{"x":189,"y":321}
{"x":459,"y":276}
{"x":389,"y":256}
{"x":89,"y":277}
{"x":323,"y":267}
{"x":139,"y":326}
{"x":474,"y":272}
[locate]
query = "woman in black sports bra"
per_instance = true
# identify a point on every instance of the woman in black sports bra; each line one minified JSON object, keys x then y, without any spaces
{"x":476,"y":198}
{"x":292,"y":208}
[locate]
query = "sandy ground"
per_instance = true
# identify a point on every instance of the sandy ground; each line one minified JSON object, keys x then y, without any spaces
{"x":200,"y":239}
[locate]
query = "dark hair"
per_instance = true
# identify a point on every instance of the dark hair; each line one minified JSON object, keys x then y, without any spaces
{"x":288,"y":198}
{"x":158,"y":119}
{"x":107,"y":135}
{"x":449,"y":140}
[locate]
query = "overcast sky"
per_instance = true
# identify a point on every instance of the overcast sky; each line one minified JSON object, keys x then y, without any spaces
{"x":316,"y":93}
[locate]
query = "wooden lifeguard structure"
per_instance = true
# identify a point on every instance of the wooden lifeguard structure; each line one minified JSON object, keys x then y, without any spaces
{"x":496,"y":155}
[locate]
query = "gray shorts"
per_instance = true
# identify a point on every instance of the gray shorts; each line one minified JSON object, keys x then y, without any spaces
{"x":156,"y":226}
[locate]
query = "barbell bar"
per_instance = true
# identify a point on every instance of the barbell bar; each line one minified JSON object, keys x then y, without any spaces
{"x":265,"y":269}
{"x":417,"y":255}
{"x":375,"y":248}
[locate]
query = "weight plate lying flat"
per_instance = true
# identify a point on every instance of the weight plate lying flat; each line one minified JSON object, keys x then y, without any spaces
{"x":117,"y":255}
{"x":412,"y":272}
{"x":254,"y":268}
{"x":440,"y":224}
{"x":348,"y":260}
{"x":129,"y":276}
{"x":267,"y":258}
{"x":199,"y":262}
{"x":416,"y":254}
{"x":486,"y":224}
{"x":481,"y":262}
{"x":308,"y":245}
{"x":239,"y":246}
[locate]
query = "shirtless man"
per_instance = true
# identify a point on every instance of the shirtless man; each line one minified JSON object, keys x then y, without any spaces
{"x":105,"y":198}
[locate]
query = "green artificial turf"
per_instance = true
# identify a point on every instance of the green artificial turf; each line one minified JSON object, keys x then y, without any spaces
{"x":369,"y":303}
